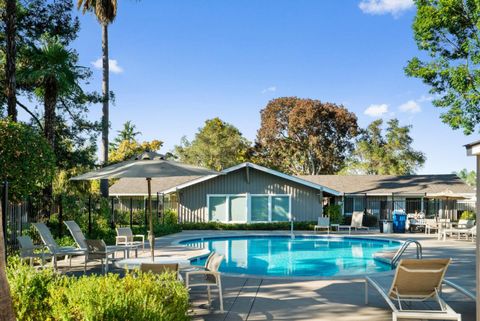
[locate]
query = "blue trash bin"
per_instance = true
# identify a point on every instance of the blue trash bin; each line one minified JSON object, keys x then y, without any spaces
{"x":399,"y":222}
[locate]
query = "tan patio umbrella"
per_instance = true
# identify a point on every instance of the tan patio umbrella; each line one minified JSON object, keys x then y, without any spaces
{"x":147,"y":165}
{"x":446,"y":195}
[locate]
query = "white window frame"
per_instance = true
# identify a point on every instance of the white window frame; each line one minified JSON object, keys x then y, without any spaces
{"x":249,"y":206}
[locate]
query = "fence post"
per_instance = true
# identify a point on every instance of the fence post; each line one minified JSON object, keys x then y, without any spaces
{"x":4,"y":216}
{"x":113,"y":214}
{"x":60,"y":215}
{"x":131,"y":212}
{"x":89,"y":214}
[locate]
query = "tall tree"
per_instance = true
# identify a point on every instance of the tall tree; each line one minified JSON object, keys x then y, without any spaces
{"x":469,"y":177}
{"x":52,"y":70}
{"x":128,"y":133}
{"x":217,"y":145}
{"x":105,"y":11}
{"x":304,"y":136}
{"x":448,"y":31}
{"x":9,"y":18}
{"x":389,"y":154}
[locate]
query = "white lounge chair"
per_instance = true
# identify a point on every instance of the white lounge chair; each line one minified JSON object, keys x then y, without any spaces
{"x":210,"y":276}
{"x":463,"y":228}
{"x":27,"y":250}
{"x":416,"y":281}
{"x":356,"y":223}
{"x":322,"y":224}
{"x":80,"y":238}
{"x":125,"y":236}
{"x":54,"y":248}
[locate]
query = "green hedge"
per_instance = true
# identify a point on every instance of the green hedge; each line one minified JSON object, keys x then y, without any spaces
{"x":468,"y":215}
{"x":45,"y":295}
{"x":248,"y":226}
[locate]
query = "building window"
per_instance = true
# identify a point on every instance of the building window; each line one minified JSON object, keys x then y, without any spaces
{"x":280,"y":208}
{"x":237,"y":209}
{"x":217,"y":208}
{"x":259,"y":208}
{"x":249,"y":208}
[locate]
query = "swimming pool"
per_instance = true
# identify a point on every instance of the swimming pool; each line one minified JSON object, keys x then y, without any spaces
{"x":308,"y":256}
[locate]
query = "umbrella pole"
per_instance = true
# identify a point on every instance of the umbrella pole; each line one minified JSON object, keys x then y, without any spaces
{"x":151,"y":236}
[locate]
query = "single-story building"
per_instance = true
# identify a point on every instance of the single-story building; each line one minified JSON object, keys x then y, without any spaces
{"x":251,"y":193}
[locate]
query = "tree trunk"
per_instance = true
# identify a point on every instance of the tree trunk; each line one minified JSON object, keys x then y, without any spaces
{"x":50,"y":102}
{"x":10,"y":33}
{"x":105,"y":118}
{"x":6,"y":307}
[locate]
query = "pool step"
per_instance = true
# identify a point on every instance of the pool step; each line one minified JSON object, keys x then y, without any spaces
{"x":385,"y":256}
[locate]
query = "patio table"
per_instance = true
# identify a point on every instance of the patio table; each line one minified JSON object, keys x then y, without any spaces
{"x":134,"y":263}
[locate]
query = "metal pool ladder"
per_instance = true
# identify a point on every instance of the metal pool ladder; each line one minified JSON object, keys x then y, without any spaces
{"x":402,"y":250}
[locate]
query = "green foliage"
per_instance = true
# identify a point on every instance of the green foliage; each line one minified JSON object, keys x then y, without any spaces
{"x":217,"y":145}
{"x":470,"y":178}
{"x":248,"y":226}
{"x":389,"y":154}
{"x":170,"y":217}
{"x":304,"y":136}
{"x":102,"y":298}
{"x":128,"y":133}
{"x":45,"y":295}
{"x":468,"y":215}
{"x":334,"y":212}
{"x":447,"y":31}
{"x":30,"y":290}
{"x":26,"y":160}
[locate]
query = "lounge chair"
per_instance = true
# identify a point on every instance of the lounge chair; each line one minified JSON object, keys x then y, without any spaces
{"x":416,"y":281}
{"x":97,"y":250}
{"x":210,"y":276}
{"x":356,"y":223}
{"x":80,"y":238}
{"x":323,"y":224}
{"x":27,"y":250}
{"x":125,"y":237}
{"x":159,"y":268}
{"x":463,"y":228}
{"x":54,"y":248}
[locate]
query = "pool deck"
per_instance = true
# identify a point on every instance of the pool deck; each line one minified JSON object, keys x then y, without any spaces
{"x":257,"y":298}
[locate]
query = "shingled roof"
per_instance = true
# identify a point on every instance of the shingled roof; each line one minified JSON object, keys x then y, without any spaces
{"x":388,"y":184}
{"x":138,"y":186}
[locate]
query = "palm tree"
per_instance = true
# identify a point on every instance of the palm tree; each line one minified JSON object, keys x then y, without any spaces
{"x":105,"y":11}
{"x":128,"y":133}
{"x":10,"y":17}
{"x":52,"y":73}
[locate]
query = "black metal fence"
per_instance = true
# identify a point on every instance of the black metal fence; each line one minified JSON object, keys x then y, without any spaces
{"x":131,"y":211}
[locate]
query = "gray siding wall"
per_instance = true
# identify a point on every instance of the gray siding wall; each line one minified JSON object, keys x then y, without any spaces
{"x":306,"y":202}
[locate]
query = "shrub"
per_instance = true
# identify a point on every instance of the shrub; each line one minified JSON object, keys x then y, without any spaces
{"x":145,"y":296}
{"x":335,"y":213}
{"x":468,"y":215}
{"x":30,"y":290}
{"x":46,"y":295}
{"x":170,"y":217}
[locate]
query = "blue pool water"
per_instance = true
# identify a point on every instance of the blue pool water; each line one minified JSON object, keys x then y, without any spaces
{"x":302,"y":256}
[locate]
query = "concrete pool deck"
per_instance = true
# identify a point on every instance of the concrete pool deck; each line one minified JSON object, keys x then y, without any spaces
{"x":257,"y":298}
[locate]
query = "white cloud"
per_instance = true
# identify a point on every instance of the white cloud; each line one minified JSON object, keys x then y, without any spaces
{"x":269,"y":89}
{"x":376,"y":110}
{"x":410,"y":106}
{"x":379,"y":7}
{"x":112,"y":64}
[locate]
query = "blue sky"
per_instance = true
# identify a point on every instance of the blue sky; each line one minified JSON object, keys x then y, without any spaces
{"x":178,"y":63}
